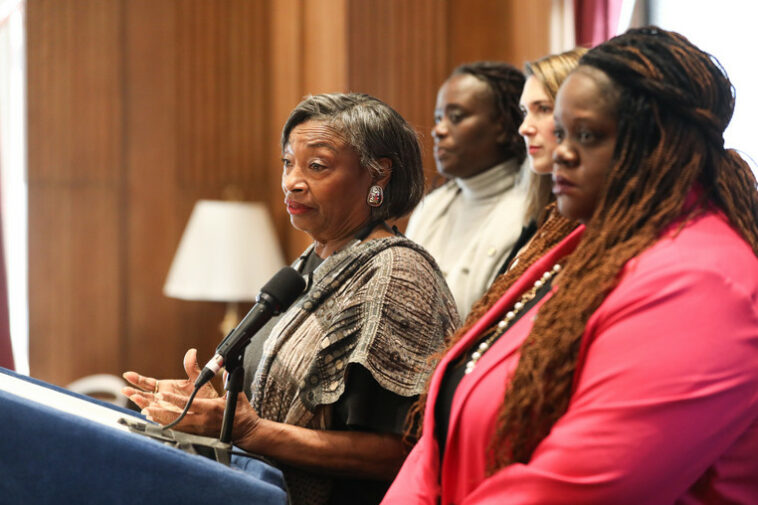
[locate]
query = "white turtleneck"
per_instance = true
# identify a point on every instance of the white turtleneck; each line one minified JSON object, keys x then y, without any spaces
{"x":469,"y":226}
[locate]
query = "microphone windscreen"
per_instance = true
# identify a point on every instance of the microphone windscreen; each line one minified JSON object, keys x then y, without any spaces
{"x":285,"y":287}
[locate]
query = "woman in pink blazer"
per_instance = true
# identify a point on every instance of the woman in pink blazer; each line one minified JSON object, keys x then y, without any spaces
{"x":622,"y":367}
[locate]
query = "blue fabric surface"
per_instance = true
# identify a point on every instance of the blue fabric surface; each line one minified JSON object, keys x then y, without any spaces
{"x":49,"y":456}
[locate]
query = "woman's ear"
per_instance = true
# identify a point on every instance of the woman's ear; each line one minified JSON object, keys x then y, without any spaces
{"x":502,"y":136}
{"x":384,"y":179}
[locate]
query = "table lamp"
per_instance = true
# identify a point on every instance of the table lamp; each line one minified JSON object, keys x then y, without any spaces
{"x":228,"y":251}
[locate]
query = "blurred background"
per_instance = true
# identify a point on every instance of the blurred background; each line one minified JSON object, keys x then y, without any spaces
{"x":119,"y":116}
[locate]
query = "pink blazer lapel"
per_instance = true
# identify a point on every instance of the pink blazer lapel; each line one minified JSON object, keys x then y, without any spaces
{"x":495,"y":313}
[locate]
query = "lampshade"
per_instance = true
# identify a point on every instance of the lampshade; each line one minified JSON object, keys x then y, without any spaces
{"x":227,"y":253}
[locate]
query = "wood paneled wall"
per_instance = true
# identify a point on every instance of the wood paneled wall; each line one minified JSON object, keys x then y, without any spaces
{"x":76,"y":139}
{"x":137,"y":108}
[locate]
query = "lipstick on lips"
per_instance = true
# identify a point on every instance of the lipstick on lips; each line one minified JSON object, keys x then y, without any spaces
{"x":295,"y":208}
{"x":534,"y":149}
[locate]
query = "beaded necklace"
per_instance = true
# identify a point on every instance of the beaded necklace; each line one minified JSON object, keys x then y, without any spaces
{"x":504,"y":323}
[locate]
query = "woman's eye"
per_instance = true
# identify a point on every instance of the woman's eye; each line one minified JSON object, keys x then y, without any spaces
{"x":437,"y":118}
{"x":545,"y":109}
{"x":286,"y":163}
{"x":316,"y":166}
{"x":455,"y":117}
{"x":585,"y":136}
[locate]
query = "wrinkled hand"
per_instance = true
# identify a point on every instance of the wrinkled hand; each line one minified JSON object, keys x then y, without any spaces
{"x":205,"y":416}
{"x":163,"y":400}
{"x":151,"y":385}
{"x":146,"y":392}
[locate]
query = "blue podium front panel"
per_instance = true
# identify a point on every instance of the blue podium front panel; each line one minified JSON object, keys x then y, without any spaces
{"x":48,"y":455}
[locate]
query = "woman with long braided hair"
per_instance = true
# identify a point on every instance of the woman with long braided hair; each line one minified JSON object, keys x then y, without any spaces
{"x":622,"y":367}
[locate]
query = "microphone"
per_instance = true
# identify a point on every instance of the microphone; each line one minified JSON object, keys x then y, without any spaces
{"x":275,"y":297}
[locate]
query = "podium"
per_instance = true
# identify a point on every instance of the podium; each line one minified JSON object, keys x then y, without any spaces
{"x":60,"y":447}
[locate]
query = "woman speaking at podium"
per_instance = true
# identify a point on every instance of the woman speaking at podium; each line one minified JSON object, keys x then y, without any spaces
{"x":342,"y":366}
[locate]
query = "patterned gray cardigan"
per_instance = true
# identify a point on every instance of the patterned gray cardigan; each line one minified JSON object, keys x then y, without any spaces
{"x":382,"y":304}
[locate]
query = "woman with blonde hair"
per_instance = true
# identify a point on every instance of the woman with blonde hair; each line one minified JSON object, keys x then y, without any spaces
{"x":544,"y":227}
{"x":543,"y":78}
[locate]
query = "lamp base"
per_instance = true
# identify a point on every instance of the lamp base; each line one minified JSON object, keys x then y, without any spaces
{"x":231,"y":318}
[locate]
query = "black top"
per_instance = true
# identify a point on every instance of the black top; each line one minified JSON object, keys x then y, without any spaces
{"x":366,"y":406}
{"x":455,"y":372}
{"x":527,"y":232}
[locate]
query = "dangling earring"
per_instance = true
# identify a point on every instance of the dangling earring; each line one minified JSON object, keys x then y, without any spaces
{"x":375,"y":196}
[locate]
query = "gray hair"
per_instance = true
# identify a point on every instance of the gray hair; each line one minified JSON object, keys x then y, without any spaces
{"x":375,"y":131}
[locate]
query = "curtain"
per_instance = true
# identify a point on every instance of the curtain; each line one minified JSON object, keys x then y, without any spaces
{"x":6,"y":350}
{"x":562,"y":30}
{"x":595,"y":21}
{"x":9,"y":19}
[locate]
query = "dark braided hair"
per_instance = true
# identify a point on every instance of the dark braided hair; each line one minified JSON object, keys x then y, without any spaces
{"x":506,"y":83}
{"x":551,"y":232}
{"x":553,"y":228}
{"x":674,"y":103}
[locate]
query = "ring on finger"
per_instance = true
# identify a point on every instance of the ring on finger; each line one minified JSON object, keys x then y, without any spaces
{"x":156,"y":386}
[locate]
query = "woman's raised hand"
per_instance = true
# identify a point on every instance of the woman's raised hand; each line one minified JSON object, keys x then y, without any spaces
{"x":163,"y":400}
{"x":146,"y":390}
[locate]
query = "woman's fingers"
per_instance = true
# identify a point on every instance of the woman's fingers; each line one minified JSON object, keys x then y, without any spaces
{"x":140,"y":398}
{"x":204,"y":416}
{"x":144,"y":383}
{"x":193,"y":370}
{"x":191,"y":366}
{"x":162,"y":407}
{"x":146,"y":387}
{"x":170,"y":399}
{"x":153,"y":385}
{"x":161,"y":413}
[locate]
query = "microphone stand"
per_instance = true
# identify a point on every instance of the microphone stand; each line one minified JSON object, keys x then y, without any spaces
{"x":233,"y":387}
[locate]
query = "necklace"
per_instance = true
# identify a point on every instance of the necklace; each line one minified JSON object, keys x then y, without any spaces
{"x":504,"y":323}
